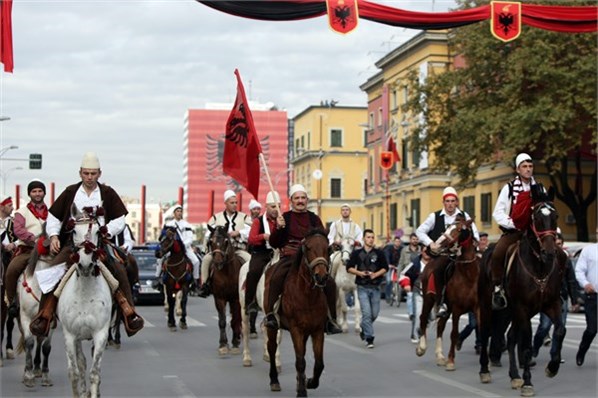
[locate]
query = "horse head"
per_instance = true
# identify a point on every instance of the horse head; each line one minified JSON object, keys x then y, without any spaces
{"x":347,"y":246}
{"x":86,"y":259}
{"x":84,"y":224}
{"x":314,"y":253}
{"x":544,"y":227}
{"x":220,"y":246}
{"x":168,"y":242}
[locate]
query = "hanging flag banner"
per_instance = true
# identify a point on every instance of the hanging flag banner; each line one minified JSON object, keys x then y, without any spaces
{"x":343,"y":15}
{"x":386,"y":160}
{"x":505,"y":23}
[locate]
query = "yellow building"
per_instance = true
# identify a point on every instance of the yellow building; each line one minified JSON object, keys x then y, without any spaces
{"x":398,"y":200}
{"x":329,"y":158}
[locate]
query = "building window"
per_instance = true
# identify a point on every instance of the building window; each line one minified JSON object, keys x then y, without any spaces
{"x":405,"y":94}
{"x":394,"y":99}
{"x":486,"y":200}
{"x":335,"y":187}
{"x":297,"y":146}
{"x":469,"y":205}
{"x":365,"y":138}
{"x":371,"y":121}
{"x":336,"y":138}
{"x":393,"y":217}
{"x":303,"y":142}
{"x":380,"y":117}
{"x":308,"y":140}
{"x":405,"y":154}
{"x":416,"y":158}
{"x":415,"y":213}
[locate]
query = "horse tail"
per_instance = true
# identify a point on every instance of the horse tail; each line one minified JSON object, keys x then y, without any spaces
{"x":20,"y":345}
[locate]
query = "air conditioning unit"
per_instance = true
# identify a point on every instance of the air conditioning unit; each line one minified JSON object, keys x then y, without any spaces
{"x":570,"y":219}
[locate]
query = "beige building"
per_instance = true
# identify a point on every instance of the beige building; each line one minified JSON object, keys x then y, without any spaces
{"x":153,"y":219}
{"x":330,"y":159}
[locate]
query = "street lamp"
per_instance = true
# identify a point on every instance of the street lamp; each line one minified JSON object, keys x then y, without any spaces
{"x":8,"y":148}
{"x":5,"y":177}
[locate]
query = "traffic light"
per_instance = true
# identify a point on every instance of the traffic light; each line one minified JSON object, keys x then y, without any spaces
{"x":35,"y":161}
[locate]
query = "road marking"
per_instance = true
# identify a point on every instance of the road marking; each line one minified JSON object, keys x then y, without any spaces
{"x":455,"y":384}
{"x":389,"y":320}
{"x":149,"y":350}
{"x":181,"y":390}
{"x":348,"y":346}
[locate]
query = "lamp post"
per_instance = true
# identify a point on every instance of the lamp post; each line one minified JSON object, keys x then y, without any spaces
{"x":7,"y":148}
{"x":5,"y":177}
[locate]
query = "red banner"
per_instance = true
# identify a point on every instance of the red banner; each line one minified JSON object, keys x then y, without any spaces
{"x":505,"y":23}
{"x":343,"y":15}
{"x":6,"y":56}
{"x":241,"y":145}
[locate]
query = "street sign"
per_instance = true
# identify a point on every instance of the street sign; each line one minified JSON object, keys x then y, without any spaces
{"x":35,"y":161}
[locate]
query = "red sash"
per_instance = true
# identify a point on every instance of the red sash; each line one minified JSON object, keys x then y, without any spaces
{"x":521,"y":211}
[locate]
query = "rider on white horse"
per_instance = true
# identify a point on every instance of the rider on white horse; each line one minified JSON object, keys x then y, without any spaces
{"x":238,"y":224}
{"x":186,"y":234}
{"x":345,"y":228}
{"x":261,"y":251}
{"x":28,"y":227}
{"x":110,"y":211}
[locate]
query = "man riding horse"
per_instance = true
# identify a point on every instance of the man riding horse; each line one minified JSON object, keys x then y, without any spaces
{"x":238,"y":224}
{"x":512,"y":212}
{"x":431,"y":229}
{"x":291,"y":228}
{"x":111,"y":211}
{"x":261,"y":251}
{"x":345,"y":228}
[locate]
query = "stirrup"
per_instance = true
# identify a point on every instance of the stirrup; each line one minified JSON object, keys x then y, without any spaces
{"x":499,"y":300}
{"x":271,"y":322}
{"x":252,"y":308}
{"x":442,"y":311}
{"x":205,"y":290}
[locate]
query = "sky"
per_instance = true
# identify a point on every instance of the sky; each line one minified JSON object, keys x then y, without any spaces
{"x":116,"y":78}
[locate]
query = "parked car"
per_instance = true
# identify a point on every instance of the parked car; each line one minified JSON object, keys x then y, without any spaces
{"x":148,"y":290}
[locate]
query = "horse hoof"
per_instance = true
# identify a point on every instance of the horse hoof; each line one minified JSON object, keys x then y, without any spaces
{"x":450,"y":366}
{"x":179,"y":312}
{"x":47,"y":381}
{"x":266,"y":358}
{"x":29,"y":382}
{"x":247,"y":363}
{"x":37,"y":373}
{"x":527,"y":391}
{"x":253,"y":335}
{"x":441,"y":361}
{"x":516,"y":384}
{"x":235,"y":351}
{"x":485,"y":378}
{"x":301,"y":394}
{"x":183,"y":325}
{"x":419,"y":352}
{"x":223,"y":351}
{"x":10,"y":354}
{"x":311,"y":384}
{"x":275,"y":387}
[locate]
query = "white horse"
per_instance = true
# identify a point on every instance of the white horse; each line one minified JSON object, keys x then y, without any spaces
{"x":29,"y":294}
{"x":84,"y":309}
{"x":259,"y":297}
{"x":345,"y":283}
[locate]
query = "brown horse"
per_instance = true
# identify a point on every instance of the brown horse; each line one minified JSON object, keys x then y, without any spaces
{"x":225,"y":286}
{"x":303,"y":310}
{"x":176,"y":274}
{"x":132,"y":270}
{"x":5,"y":319}
{"x":462,"y":229}
{"x":534,"y":272}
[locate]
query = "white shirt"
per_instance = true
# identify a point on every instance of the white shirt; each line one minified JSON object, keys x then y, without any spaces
{"x":184,"y":229}
{"x":81,"y":200}
{"x":502,"y":209}
{"x":358,"y":235}
{"x":428,"y":225}
{"x":586,"y":269}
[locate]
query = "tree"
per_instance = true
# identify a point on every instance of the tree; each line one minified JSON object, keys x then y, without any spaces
{"x":535,"y":94}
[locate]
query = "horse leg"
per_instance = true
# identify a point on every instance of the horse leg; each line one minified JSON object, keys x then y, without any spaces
{"x":183,"y":319}
{"x":252,"y":328}
{"x":99,"y":342}
{"x":341,"y":310}
{"x":178,"y":305}
{"x":245,"y":321}
{"x":10,"y":325}
{"x":46,"y":349}
{"x":235,"y":324}
{"x":117,"y":323}
{"x":299,"y":342}
{"x":223,"y":342}
{"x":29,"y":375}
{"x":484,"y":326}
{"x":527,"y":390}
{"x":71,"y":362}
{"x":272,"y":348}
{"x":171,"y":296}
{"x":427,"y":304}
{"x":317,"y":340}
{"x":440,"y":359}
{"x":82,"y":367}
{"x":557,"y":341}
{"x":512,"y":342}
{"x":454,"y":338}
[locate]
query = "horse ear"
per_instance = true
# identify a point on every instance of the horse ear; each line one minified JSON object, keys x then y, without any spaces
{"x":210,"y":228}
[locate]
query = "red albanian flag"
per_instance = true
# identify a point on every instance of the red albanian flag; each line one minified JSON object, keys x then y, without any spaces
{"x":343,"y":15}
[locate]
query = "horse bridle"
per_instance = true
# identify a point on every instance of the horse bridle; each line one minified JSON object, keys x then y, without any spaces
{"x":540,"y":235}
{"x":313,"y":263}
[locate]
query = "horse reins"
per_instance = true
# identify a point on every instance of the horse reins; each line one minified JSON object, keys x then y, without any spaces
{"x":540,"y":282}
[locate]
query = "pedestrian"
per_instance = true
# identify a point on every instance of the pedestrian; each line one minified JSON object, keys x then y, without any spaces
{"x":414,"y":304}
{"x":369,"y":265}
{"x":586,"y":272}
{"x":392,"y":252}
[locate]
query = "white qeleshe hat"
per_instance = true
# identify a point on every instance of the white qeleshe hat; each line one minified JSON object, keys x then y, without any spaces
{"x":297,"y":188}
{"x":229,"y":193}
{"x":522,"y":157}
{"x":449,"y":191}
{"x":90,"y":161}
{"x":254,"y":204}
{"x":272,"y":198}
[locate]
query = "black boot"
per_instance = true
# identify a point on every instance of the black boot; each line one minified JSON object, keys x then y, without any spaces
{"x":442,"y":311}
{"x":499,"y":300}
{"x":252,"y":308}
{"x":205,"y":290}
{"x":13,"y":309}
{"x":271,"y":322}
{"x":332,"y":327}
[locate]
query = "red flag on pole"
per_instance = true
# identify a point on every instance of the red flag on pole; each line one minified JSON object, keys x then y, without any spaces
{"x":6,"y":35}
{"x":392,"y":147}
{"x":241,"y":144}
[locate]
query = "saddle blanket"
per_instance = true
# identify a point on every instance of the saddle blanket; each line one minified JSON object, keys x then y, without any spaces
{"x":49,"y":277}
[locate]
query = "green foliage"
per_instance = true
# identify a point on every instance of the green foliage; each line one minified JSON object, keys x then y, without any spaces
{"x":536,"y":94}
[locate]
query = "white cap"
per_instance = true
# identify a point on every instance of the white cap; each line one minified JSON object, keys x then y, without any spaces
{"x":522,"y":157}
{"x":449,"y":191}
{"x":229,"y":193}
{"x":346,"y":205}
{"x":90,"y":161}
{"x":177,"y":207}
{"x":272,"y":198}
{"x":297,"y":188}
{"x":254,"y":204}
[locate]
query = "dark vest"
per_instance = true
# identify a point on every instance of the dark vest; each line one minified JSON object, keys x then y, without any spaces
{"x":439,"y":227}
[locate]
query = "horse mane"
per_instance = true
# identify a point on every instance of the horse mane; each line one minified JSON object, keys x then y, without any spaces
{"x":310,"y":233}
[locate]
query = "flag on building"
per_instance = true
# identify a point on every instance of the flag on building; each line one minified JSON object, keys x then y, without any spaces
{"x":6,"y":35}
{"x":241,"y":144}
{"x":391,"y":146}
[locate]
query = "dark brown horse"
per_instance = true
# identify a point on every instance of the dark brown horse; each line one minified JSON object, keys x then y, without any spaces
{"x":303,"y":310}
{"x":534,"y":271}
{"x":133,"y":277}
{"x":225,"y":286}
{"x":5,"y":319}
{"x":176,"y":271}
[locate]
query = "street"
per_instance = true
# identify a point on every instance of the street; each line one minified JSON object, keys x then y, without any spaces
{"x":160,"y":363}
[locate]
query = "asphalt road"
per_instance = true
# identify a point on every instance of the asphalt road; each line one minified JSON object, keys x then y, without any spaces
{"x":160,"y":363}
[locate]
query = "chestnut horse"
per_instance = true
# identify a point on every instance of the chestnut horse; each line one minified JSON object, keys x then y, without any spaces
{"x":176,"y":274}
{"x":534,"y":271}
{"x":225,"y":287}
{"x":303,"y":310}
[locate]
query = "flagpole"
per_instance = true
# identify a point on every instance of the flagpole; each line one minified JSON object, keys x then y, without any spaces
{"x":265,"y":166}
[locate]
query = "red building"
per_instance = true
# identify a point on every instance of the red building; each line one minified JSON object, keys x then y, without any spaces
{"x":204,"y":182}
